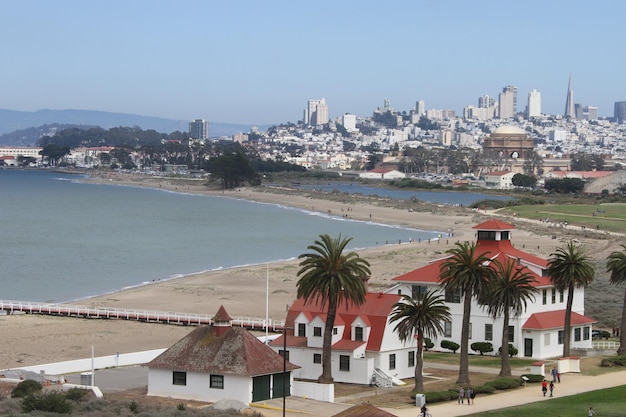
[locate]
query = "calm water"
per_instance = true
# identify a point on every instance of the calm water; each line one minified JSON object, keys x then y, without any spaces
{"x":438,"y":197}
{"x":63,"y":239}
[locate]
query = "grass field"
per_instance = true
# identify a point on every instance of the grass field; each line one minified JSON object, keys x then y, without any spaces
{"x":607,"y":402}
{"x":606,"y":216}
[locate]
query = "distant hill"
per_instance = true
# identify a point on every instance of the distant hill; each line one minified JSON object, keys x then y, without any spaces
{"x":22,"y":128}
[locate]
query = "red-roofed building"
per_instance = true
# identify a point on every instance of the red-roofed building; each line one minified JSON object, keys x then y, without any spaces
{"x":364,"y":344}
{"x":219,"y":362}
{"x":537,"y":332}
{"x":502,"y":180}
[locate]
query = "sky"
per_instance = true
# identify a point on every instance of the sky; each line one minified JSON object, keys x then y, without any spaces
{"x":260,"y":61}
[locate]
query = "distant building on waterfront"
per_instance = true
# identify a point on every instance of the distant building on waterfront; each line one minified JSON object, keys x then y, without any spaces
{"x":619,"y":113}
{"x":569,"y":100}
{"x":316,"y":112}
{"x":507,"y":102}
{"x":199,"y":129}
{"x":534,"y":104}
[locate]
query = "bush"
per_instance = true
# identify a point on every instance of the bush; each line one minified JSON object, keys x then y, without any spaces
{"x":448,"y":344}
{"x":512,"y":350}
{"x":428,"y":344}
{"x":26,"y":387}
{"x":614,"y":361}
{"x":482,"y":347}
{"x":54,"y":402}
{"x":437,"y":396}
{"x":76,"y":394}
{"x":534,"y":377}
{"x":504,"y":383}
{"x":484,"y":389}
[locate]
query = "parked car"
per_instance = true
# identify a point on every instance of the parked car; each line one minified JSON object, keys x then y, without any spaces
{"x":600,"y":334}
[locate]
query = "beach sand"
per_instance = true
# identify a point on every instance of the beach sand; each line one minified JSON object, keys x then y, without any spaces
{"x":31,"y":339}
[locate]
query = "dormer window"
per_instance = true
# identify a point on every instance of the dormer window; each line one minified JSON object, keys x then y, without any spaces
{"x":486,"y":235}
{"x":301,"y":329}
{"x":358,"y":334}
{"x":505,"y":235}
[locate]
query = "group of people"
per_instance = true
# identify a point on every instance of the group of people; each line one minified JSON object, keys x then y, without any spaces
{"x":466,"y":393}
{"x":545,"y":387}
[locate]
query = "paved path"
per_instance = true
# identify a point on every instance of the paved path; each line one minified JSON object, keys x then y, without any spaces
{"x":571,"y":384}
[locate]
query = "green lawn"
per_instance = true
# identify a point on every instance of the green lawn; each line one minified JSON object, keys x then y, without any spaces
{"x":607,"y":216}
{"x":606,"y":402}
{"x":475,"y":360}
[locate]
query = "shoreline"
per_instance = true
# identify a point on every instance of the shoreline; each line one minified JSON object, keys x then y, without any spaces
{"x":242,"y":289}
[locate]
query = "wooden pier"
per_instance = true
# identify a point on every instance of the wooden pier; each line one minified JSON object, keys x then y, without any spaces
{"x":184,"y":319}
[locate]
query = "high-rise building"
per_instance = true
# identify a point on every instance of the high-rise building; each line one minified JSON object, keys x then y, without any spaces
{"x":570,"y":110}
{"x":316,"y":113}
{"x":420,"y":107}
{"x":619,"y":112}
{"x":534,"y":104}
{"x":486,"y":101}
{"x":349,"y":122}
{"x":199,"y":129}
{"x":507,"y":102}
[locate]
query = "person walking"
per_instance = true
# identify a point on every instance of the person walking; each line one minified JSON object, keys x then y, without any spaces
{"x":472,"y":395}
{"x":591,"y":412}
{"x":468,"y":395}
{"x":544,"y":387}
{"x":461,"y":395}
{"x":551,"y":389}
{"x":554,"y":372}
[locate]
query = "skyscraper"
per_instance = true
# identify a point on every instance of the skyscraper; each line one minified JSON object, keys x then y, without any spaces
{"x":619,"y":112}
{"x":199,"y":129}
{"x":316,"y":112}
{"x":570,"y":110}
{"x":420,"y":107}
{"x":534,"y":104}
{"x":508,"y":102}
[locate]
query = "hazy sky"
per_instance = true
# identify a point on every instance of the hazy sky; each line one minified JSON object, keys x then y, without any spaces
{"x":259,"y":61}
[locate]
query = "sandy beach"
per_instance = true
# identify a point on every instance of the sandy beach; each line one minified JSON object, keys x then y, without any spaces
{"x":31,"y":340}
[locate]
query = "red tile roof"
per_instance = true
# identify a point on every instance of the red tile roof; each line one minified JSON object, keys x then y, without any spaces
{"x":554,"y":320}
{"x":494,"y":224}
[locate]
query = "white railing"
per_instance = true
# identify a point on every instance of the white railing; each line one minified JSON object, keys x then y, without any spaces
{"x":605,"y":345}
{"x":73,"y":310}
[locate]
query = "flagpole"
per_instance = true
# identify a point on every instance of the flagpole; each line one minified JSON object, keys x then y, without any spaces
{"x":267,"y":301}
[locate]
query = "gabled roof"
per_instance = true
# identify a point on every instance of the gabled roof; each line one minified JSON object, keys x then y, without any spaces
{"x":364,"y":410}
{"x":494,"y":224}
{"x":498,"y":173}
{"x":376,"y":309}
{"x":554,"y":320}
{"x":235,"y":352}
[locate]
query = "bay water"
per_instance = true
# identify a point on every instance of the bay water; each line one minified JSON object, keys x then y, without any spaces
{"x":65,"y":239}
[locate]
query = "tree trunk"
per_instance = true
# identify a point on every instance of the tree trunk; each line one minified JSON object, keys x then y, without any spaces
{"x":567,"y":326}
{"x":464,"y":360}
{"x":419,"y":366}
{"x":622,"y":337}
{"x":505,"y":368}
{"x":327,"y":375}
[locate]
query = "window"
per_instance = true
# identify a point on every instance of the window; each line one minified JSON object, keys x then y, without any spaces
{"x":586,"y":333}
{"x":453,"y":296}
{"x":411,"y":359}
{"x":545,"y":296}
{"x":179,"y":378}
{"x":392,"y":361}
{"x":577,"y":334}
{"x":488,"y":331}
{"x":546,"y":339}
{"x":511,"y":334}
{"x":317,"y":331}
{"x":344,"y":363}
{"x":358,"y":334}
{"x":561,"y":296}
{"x":486,"y":235}
{"x":447,"y":329}
{"x":561,"y":337}
{"x":216,"y":381}
{"x":469,"y":331}
{"x":317,"y":358}
{"x":416,"y":290}
{"x":284,"y":354}
{"x":302,"y":329}
{"x":506,"y":235}
{"x":334,"y":330}
{"x":553,"y":295}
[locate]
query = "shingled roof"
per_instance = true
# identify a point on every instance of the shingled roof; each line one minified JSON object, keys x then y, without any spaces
{"x":232,"y":351}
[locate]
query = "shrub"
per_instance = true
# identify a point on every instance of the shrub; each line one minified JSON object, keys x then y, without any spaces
{"x":181,"y":407}
{"x":482,"y":347}
{"x":428,"y":344}
{"x":614,"y":361}
{"x":534,"y":377}
{"x":484,"y":389}
{"x":504,"y":383}
{"x":134,"y":406}
{"x":512,"y":350}
{"x":26,"y":387}
{"x":448,"y":344}
{"x":76,"y":394}
{"x":437,"y":396}
{"x":54,"y":402}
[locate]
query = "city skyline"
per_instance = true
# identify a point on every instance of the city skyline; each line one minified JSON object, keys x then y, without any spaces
{"x":259,"y":63}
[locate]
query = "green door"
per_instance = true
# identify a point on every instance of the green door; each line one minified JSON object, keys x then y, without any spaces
{"x":278,"y":385}
{"x":261,"y":388}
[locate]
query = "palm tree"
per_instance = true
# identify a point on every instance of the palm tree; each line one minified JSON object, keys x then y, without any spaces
{"x":330,"y":277}
{"x":468,"y":272}
{"x":616,"y":265}
{"x":420,"y":318}
{"x":508,"y":292}
{"x":569,"y":267}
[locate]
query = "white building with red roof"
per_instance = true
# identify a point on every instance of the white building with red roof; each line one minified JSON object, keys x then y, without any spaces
{"x":538,"y":331}
{"x":502,"y":180}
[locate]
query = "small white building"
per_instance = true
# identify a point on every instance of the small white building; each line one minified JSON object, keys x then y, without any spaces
{"x":219,"y":362}
{"x":502,"y":180}
{"x":382,"y":174}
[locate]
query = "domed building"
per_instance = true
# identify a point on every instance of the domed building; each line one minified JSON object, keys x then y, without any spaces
{"x":511,"y":141}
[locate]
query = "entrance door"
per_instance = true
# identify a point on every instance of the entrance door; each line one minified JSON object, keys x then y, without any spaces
{"x":528,"y":347}
{"x":261,"y":388}
{"x":278,"y":385}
